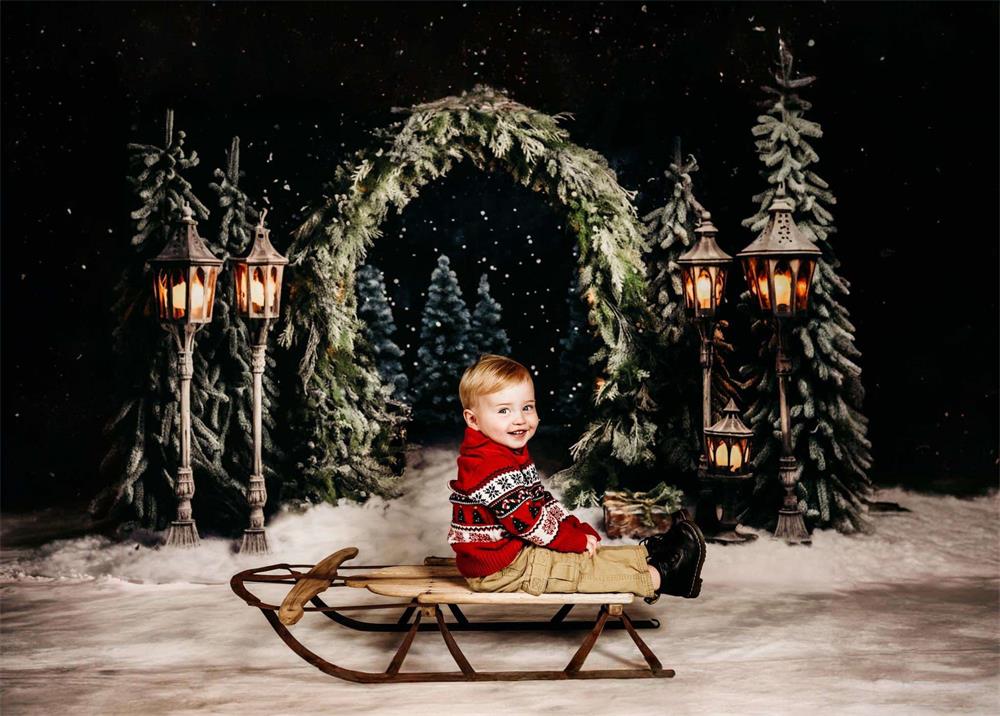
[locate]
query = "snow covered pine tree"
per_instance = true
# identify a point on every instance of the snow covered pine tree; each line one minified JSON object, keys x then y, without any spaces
{"x":829,"y":432}
{"x":486,"y":335}
{"x":144,"y":436}
{"x":670,"y":231}
{"x":445,"y":350}
{"x":374,"y":312}
{"x":226,"y":345}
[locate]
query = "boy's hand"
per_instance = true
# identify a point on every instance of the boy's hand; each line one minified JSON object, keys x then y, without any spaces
{"x":591,"y":545}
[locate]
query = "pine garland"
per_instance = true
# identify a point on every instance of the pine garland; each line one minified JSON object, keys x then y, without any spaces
{"x":491,"y":131}
{"x":829,"y":431}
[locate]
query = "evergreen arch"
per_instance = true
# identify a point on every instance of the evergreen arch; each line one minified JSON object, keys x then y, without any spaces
{"x":349,"y":436}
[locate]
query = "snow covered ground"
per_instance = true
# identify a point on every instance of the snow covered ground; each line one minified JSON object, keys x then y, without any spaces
{"x":902,"y":622}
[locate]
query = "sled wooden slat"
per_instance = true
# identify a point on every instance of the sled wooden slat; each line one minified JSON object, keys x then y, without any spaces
{"x":405,"y":571}
{"x":455,"y":590}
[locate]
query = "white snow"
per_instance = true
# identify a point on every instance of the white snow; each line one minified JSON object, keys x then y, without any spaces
{"x":902,"y":622}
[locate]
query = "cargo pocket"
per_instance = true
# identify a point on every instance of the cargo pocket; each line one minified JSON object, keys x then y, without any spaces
{"x":536,"y":576}
{"x":564,"y":576}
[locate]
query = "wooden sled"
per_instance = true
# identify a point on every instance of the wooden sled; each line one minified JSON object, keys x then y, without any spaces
{"x":427,"y":588}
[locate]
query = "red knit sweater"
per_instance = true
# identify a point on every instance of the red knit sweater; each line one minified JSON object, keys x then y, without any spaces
{"x":499,"y":504}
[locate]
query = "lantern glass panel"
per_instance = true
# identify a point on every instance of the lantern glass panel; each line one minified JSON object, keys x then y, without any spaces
{"x":720,"y":285}
{"x":178,"y":294}
{"x":802,"y":284}
{"x":257,"y":292}
{"x":161,"y":294}
{"x":703,"y":289}
{"x":782,"y":273}
{"x":688,"y":288}
{"x":757,"y":279}
{"x":277,"y":289}
{"x":213,"y":277}
{"x":736,"y":456}
{"x":198,"y":293}
{"x":721,"y":455}
{"x":273,"y":289}
{"x":241,"y":287}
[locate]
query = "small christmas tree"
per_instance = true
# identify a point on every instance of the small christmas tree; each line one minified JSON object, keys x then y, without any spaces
{"x":445,"y":351}
{"x":144,"y":435}
{"x":486,"y":335}
{"x":829,"y":432}
{"x":677,"y":382}
{"x":374,"y":311}
{"x":226,"y":346}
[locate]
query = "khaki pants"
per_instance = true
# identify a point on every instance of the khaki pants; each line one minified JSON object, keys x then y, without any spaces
{"x":538,"y":569}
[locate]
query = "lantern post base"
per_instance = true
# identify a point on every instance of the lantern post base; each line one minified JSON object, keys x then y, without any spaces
{"x":792,"y":527}
{"x":182,"y":533}
{"x":254,"y":542}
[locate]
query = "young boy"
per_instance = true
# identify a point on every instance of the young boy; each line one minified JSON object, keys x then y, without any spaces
{"x":509,"y":534}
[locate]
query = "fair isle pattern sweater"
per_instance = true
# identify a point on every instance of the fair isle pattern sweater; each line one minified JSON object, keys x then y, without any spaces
{"x":499,"y":505}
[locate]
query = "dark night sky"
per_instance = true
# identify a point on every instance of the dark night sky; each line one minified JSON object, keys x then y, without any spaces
{"x":907,"y":96}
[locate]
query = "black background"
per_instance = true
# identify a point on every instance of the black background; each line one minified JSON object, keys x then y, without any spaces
{"x":907,"y":97}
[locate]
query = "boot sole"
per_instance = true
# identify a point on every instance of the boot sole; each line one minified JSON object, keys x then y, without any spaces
{"x":695,"y":589}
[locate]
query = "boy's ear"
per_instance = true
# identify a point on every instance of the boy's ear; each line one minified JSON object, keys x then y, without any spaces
{"x":470,"y":419}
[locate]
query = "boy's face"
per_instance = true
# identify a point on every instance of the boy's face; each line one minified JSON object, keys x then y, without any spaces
{"x":507,"y":417}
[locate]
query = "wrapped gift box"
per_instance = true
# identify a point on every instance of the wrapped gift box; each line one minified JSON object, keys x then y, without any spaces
{"x":641,"y":514}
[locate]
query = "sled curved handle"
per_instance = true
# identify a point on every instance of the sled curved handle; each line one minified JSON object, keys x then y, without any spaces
{"x":314,"y":582}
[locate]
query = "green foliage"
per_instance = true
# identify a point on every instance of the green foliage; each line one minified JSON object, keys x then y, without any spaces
{"x":825,"y":393}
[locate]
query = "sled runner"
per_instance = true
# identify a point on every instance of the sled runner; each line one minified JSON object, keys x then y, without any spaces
{"x":426,"y":589}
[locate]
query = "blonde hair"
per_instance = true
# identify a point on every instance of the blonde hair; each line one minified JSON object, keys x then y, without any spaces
{"x":489,"y":374}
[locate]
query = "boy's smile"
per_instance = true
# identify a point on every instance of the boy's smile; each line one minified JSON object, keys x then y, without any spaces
{"x":507,"y":416}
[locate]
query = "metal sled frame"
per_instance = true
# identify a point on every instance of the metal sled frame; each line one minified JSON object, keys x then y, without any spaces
{"x":428,"y":588}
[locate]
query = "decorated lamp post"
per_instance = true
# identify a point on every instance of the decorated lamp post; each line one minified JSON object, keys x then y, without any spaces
{"x":703,"y":273}
{"x":779,"y":267}
{"x":727,"y":445}
{"x":258,"y":297}
{"x":703,"y":276}
{"x":184,"y":277}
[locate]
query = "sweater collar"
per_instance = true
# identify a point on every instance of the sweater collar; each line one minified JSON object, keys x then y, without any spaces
{"x":475,"y":441}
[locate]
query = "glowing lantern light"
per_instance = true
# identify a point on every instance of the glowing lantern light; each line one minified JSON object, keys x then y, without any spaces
{"x":704,"y":269}
{"x":778,"y":260}
{"x":184,"y":275}
{"x":728,"y":442}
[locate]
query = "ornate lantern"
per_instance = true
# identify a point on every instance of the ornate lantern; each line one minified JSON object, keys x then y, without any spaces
{"x":258,"y":277}
{"x":704,"y":268}
{"x":258,"y":297}
{"x":727,"y":443}
{"x":184,"y":275}
{"x":779,"y":267}
{"x":780,"y":263}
